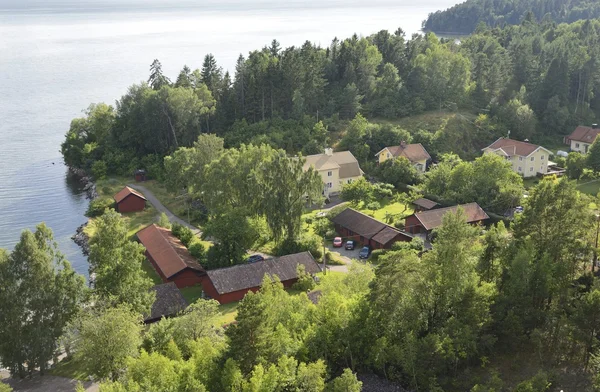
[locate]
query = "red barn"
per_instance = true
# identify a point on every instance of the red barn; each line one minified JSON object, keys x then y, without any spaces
{"x":231,"y":284}
{"x":170,"y":258}
{"x":426,"y":221}
{"x":130,"y":200}
{"x":368,"y":231}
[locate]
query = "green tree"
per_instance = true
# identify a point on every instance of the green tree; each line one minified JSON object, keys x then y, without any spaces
{"x":157,"y":79}
{"x":346,"y":382}
{"x":40,"y":293}
{"x":358,"y":191}
{"x":398,"y":172}
{"x":593,"y":157}
{"x":117,"y":265}
{"x":576,"y":162}
{"x":108,"y":339}
{"x":234,"y":234}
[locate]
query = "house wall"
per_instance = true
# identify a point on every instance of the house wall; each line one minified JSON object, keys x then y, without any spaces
{"x":385,"y":155}
{"x":421,"y":166}
{"x":527,"y":166}
{"x":349,"y":234}
{"x":334,"y":179}
{"x":209,"y":290}
{"x":580,"y":146}
{"x":183,"y":279}
{"x":376,"y":245}
{"x":131,"y":203}
{"x":413,"y":225}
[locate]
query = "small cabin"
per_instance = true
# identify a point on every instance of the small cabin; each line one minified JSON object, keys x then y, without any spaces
{"x":140,"y":175}
{"x":129,"y":200}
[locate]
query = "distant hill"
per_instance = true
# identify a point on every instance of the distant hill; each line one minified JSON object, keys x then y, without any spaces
{"x":463,"y":18}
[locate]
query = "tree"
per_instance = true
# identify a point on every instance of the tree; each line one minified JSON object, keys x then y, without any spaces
{"x":576,"y":162}
{"x":593,"y":157}
{"x":108,"y":339}
{"x":346,"y":382}
{"x":117,"y":265}
{"x":234,"y":234}
{"x":39,"y":294}
{"x":358,"y":191}
{"x":398,"y":172}
{"x":157,"y":79}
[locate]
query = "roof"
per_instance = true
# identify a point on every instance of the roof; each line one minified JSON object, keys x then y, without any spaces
{"x":412,"y":152}
{"x":315,"y":296}
{"x":584,"y":134}
{"x":247,"y":276}
{"x":169,"y":301}
{"x":344,"y":160}
{"x":367,"y":227}
{"x":425,"y":203}
{"x":511,"y":147}
{"x":433,"y":218}
{"x":125,"y":192}
{"x":169,"y":254}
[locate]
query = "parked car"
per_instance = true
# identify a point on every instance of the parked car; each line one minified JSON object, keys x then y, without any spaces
{"x":364,"y":253}
{"x":349,"y":245}
{"x":337,"y":242}
{"x":255,"y":258}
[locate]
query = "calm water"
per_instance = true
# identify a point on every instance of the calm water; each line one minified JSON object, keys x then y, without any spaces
{"x":56,"y":57}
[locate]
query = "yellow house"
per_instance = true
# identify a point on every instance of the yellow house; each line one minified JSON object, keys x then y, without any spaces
{"x":415,"y":153}
{"x":582,"y":138}
{"x":335,"y":168}
{"x":527,"y":159}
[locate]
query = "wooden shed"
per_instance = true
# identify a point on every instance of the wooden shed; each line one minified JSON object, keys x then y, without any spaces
{"x":129,"y":200}
{"x":231,"y":284}
{"x":426,"y":221}
{"x":170,"y":258}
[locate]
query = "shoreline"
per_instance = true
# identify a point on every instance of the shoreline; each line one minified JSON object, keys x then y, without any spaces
{"x":89,"y":187}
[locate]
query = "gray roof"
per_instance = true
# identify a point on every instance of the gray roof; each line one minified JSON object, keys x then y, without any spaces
{"x":344,"y":160}
{"x":246,"y":276}
{"x":169,"y":301}
{"x":425,"y":203}
{"x":367,"y":227}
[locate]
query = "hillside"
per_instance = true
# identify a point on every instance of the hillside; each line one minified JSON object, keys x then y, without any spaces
{"x":464,"y":17}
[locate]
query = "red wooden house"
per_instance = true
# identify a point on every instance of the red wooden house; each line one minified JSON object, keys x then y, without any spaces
{"x":426,"y":221}
{"x":169,"y":257}
{"x":231,"y":284}
{"x":369,"y":232}
{"x":129,"y":200}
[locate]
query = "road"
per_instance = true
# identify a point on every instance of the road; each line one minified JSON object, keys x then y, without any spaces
{"x":161,"y":208}
{"x":46,"y":383}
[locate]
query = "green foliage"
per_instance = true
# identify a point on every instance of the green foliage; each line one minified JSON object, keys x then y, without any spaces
{"x":198,"y":251}
{"x":593,"y":157}
{"x":99,"y":170}
{"x":163,"y":221}
{"x":398,"y":172}
{"x":305,"y":281}
{"x":538,"y":383}
{"x":575,"y":165}
{"x":40,"y":294}
{"x":346,"y":382}
{"x":306,"y":242}
{"x":358,"y":191}
{"x":374,"y":205}
{"x":184,"y":233}
{"x":5,"y":388}
{"x":98,"y":206}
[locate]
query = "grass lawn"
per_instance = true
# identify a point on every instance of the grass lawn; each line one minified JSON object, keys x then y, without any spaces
{"x":192,"y":293}
{"x":387,"y":207}
{"x":530,"y":182}
{"x":228,"y":313}
{"x":72,"y":369}
{"x":589,"y":187}
{"x":149,"y":269}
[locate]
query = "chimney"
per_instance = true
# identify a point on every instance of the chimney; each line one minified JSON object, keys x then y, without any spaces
{"x":329,"y":152}
{"x":403,"y":144}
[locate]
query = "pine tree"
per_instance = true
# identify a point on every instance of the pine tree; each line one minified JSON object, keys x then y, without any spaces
{"x":157,"y":80}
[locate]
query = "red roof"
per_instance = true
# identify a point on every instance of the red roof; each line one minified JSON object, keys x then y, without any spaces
{"x":169,"y":254}
{"x":125,"y":192}
{"x":432,"y":219}
{"x":513,"y":147}
{"x":412,"y":152}
{"x":584,"y":134}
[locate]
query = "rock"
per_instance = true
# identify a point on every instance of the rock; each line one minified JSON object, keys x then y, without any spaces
{"x":82,"y":239}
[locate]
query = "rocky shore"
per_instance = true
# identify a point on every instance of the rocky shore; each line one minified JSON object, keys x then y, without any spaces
{"x":82,"y":239}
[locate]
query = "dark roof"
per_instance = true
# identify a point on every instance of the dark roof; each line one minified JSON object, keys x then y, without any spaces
{"x":584,"y":134}
{"x":513,"y":147}
{"x":169,"y":301}
{"x":366,"y":226}
{"x":247,"y":276}
{"x":433,"y":218}
{"x":412,"y":152}
{"x":125,"y":192}
{"x":170,"y":255}
{"x":425,"y":203}
{"x":315,"y":296}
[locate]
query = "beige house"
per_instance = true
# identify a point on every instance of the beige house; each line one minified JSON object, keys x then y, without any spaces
{"x":527,"y":159}
{"x":582,"y":138}
{"x":335,"y":168}
{"x":415,"y":153}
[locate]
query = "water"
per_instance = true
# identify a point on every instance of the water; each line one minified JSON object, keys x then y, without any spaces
{"x":58,"y":56}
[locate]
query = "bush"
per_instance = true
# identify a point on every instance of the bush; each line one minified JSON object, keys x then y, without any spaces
{"x":373,"y":205}
{"x":322,"y":227}
{"x":183,"y":233}
{"x":308,"y":219}
{"x":163,"y":221}
{"x":382,"y":190}
{"x":376,"y":254}
{"x":198,"y":251}
{"x":310,"y":243}
{"x":334,"y":258}
{"x":99,"y":170}
{"x":588,"y":175}
{"x":305,"y":282}
{"x":538,"y":383}
{"x":98,"y":206}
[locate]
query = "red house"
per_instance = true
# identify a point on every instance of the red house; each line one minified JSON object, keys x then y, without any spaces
{"x":169,"y":257}
{"x":369,"y":232}
{"x":130,"y":200}
{"x":231,"y":284}
{"x":426,"y":221}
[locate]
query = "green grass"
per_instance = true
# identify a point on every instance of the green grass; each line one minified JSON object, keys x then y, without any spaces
{"x":151,"y":272}
{"x":192,"y":293}
{"x":589,"y":187}
{"x":72,"y":369}
{"x":228,"y":313}
{"x":387,"y":207}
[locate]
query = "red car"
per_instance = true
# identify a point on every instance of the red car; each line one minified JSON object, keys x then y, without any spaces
{"x":337,"y":242}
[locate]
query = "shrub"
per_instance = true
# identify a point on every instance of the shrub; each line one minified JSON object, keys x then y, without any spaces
{"x":305,"y":282}
{"x":310,"y":243}
{"x":538,"y":383}
{"x":163,"y":221}
{"x":198,"y":251}
{"x":334,"y":258}
{"x":322,"y":226}
{"x":399,"y":224}
{"x":588,"y":175}
{"x":99,"y":170}
{"x":183,"y":233}
{"x":373,"y":205}
{"x":98,"y":206}
{"x":376,"y":253}
{"x":383,"y":190}
{"x":308,"y":219}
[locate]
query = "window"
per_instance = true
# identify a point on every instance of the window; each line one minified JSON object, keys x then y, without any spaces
{"x":542,"y":158}
{"x":388,"y":155}
{"x":350,"y":181}
{"x":531,"y":169}
{"x":329,"y":185}
{"x":576,"y":145}
{"x":520,"y":158}
{"x":532,"y":158}
{"x":520,"y":168}
{"x":329,"y":174}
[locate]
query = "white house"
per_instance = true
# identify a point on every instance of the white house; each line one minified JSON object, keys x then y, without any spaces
{"x":582,"y":138}
{"x":527,"y":159}
{"x":335,"y":168}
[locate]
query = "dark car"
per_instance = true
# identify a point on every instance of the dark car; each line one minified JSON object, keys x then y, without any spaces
{"x":255,"y":258}
{"x":349,"y":245}
{"x":364,"y":253}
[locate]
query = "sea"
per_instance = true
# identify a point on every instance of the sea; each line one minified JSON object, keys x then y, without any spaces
{"x":59,"y":56}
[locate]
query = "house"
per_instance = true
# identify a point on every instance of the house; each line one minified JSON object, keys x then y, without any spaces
{"x":425,"y":221}
{"x":231,"y":284}
{"x":129,"y":200}
{"x":526,"y":158}
{"x":139,"y":175}
{"x":168,"y":303}
{"x":422,"y":204}
{"x":335,"y":168}
{"x":369,"y":232}
{"x":169,"y":257}
{"x":415,"y":153}
{"x":582,"y":138}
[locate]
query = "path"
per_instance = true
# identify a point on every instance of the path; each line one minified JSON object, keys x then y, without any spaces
{"x":45,"y":383}
{"x":161,"y":208}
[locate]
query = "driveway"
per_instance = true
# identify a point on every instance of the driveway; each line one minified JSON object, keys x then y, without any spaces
{"x":45,"y":383}
{"x":161,"y":208}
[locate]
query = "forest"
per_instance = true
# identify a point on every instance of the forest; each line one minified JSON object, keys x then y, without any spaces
{"x":464,"y":18}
